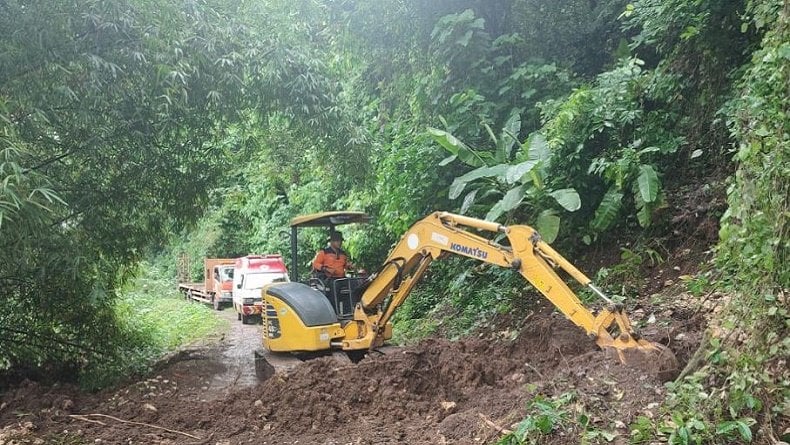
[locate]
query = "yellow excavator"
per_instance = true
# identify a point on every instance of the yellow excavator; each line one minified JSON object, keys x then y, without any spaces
{"x":354,"y":314}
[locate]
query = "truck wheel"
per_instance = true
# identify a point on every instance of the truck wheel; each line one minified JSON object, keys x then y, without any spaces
{"x":238,"y":316}
{"x":217,"y":303}
{"x":245,"y":319}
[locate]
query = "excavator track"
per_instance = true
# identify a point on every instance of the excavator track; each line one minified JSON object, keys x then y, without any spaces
{"x":268,"y":364}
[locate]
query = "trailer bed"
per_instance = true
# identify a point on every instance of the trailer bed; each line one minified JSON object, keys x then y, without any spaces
{"x":195,"y":291}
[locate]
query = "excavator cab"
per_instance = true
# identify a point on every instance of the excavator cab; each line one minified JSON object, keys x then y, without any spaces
{"x":343,"y":294}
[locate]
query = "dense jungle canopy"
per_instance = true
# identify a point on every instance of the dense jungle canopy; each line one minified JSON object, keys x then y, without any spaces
{"x":145,"y":130}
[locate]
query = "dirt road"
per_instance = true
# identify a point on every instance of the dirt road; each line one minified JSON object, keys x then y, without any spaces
{"x":435,"y":392}
{"x":236,"y":355}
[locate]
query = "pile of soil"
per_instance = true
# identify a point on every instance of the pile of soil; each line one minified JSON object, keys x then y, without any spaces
{"x":438,"y":391}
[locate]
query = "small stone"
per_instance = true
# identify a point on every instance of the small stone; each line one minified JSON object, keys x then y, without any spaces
{"x":668,"y":283}
{"x":150,"y":407}
{"x":448,"y":406}
{"x":258,"y":403}
{"x":517,"y":377}
{"x":267,"y":427}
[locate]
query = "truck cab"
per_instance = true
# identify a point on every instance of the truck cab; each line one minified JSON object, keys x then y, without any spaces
{"x":343,"y":293}
{"x":251,"y":273}
{"x":223,"y":283}
{"x":217,"y":285}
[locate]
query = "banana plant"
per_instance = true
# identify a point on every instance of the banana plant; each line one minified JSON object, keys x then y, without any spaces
{"x":509,"y":178}
{"x":628,"y":173}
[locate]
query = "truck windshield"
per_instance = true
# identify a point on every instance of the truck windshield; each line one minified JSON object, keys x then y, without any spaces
{"x":226,"y":273}
{"x":258,"y":280}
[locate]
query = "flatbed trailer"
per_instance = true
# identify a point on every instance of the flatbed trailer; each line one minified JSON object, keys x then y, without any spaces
{"x":217,"y":286}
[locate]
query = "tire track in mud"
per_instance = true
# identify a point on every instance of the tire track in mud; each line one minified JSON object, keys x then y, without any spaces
{"x":235,"y":353}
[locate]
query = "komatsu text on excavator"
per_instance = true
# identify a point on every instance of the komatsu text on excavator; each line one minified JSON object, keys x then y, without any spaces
{"x":353,"y":314}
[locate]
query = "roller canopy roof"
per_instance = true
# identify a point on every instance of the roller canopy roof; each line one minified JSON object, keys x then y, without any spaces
{"x":327,"y":219}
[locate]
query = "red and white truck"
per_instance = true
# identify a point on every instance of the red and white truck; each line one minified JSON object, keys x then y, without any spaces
{"x":250,"y":274}
{"x":217,"y":286}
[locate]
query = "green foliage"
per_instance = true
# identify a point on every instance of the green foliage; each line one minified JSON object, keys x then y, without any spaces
{"x":603,"y":130}
{"x":544,"y":415}
{"x":687,"y":422}
{"x":754,"y":247}
{"x":754,"y":228}
{"x":741,"y":378}
{"x":625,"y":279}
{"x":25,"y":197}
{"x":152,"y":318}
{"x":456,"y":297}
{"x":115,"y":121}
{"x":139,"y":129}
{"x":512,"y":178}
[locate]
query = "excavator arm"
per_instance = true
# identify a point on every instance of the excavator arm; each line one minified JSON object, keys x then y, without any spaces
{"x":444,"y":233}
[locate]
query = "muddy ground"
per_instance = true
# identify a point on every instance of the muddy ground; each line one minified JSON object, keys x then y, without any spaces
{"x":435,"y":392}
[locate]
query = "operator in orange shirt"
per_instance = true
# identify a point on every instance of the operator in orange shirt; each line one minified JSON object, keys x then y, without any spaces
{"x":332,"y":260}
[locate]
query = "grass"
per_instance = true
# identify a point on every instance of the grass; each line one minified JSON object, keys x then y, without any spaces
{"x":153,"y":307}
{"x":153,"y":319}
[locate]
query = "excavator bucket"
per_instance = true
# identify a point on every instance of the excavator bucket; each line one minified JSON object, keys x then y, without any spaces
{"x":616,"y":336}
{"x":651,"y":358}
